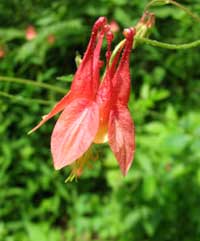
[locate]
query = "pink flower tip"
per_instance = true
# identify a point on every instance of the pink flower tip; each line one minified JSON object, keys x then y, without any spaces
{"x":100,"y":22}
{"x":129,"y":32}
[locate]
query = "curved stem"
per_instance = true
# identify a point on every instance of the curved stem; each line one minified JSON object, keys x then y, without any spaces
{"x":33,"y":83}
{"x":155,"y":3}
{"x":169,"y":46}
{"x":188,"y":11}
{"x":25,"y":100}
{"x":164,"y":2}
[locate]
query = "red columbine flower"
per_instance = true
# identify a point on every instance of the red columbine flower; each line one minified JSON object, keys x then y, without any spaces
{"x":51,"y":39}
{"x":94,"y":111}
{"x":2,"y":52}
{"x":114,"y":26}
{"x":31,"y":33}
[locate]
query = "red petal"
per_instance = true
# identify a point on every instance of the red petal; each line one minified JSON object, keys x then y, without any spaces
{"x":97,"y":63}
{"x":121,"y":79}
{"x":121,"y":137}
{"x":86,"y":79}
{"x":74,"y":132}
{"x":56,"y":109}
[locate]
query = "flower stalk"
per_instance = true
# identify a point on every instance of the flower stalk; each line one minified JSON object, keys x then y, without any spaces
{"x":33,"y":83}
{"x":172,"y":2}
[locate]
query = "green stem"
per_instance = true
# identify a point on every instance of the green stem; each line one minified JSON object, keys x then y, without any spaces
{"x":116,"y":49}
{"x":33,"y":83}
{"x":164,"y":2}
{"x":169,"y":46}
{"x":24,"y":100}
{"x":156,"y":43}
{"x":188,"y":11}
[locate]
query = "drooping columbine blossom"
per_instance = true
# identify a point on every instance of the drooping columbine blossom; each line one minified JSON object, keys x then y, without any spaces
{"x":94,"y":111}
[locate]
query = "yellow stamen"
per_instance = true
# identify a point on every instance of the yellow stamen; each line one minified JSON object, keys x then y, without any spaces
{"x":78,"y":166}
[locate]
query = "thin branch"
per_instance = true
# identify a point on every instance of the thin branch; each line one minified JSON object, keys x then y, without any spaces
{"x":23,"y":100}
{"x":33,"y":83}
{"x":169,"y":46}
{"x":165,"y":2}
{"x":188,"y":11}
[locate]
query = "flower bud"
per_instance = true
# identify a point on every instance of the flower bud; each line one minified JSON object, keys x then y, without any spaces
{"x":146,"y":22}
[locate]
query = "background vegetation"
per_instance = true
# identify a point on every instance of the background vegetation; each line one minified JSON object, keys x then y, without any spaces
{"x":159,"y":198}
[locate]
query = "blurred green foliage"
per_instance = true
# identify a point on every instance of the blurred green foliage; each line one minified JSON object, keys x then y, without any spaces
{"x":159,"y":198}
